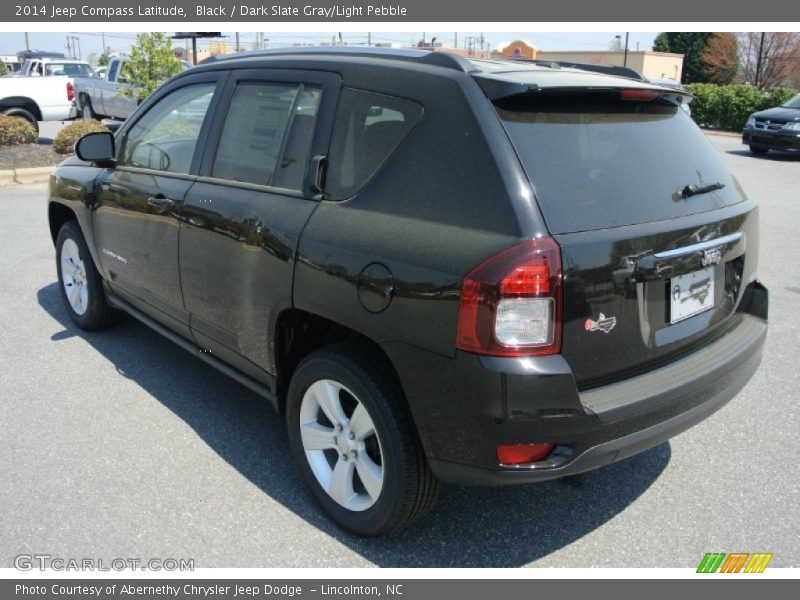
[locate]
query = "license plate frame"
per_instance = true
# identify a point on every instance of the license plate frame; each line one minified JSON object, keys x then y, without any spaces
{"x":691,"y":294}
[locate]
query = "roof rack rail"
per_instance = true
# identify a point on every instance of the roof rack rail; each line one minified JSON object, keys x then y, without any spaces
{"x":428,"y":57}
{"x":605,"y":69}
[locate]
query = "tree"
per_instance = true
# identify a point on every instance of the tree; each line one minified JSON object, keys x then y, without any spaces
{"x":691,"y":45}
{"x":719,"y":59}
{"x":150,"y":64}
{"x":3,"y":68}
{"x":769,"y":59}
{"x":104,"y":58}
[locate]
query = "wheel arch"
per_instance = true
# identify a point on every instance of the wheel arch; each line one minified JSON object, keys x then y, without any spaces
{"x":57,"y":215}
{"x":298,"y":333}
{"x":23,"y":102}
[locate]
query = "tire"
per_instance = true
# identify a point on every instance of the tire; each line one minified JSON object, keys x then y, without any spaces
{"x":23,"y":114}
{"x":87,"y":112}
{"x":380,"y":482}
{"x":760,"y":150}
{"x":79,"y":281}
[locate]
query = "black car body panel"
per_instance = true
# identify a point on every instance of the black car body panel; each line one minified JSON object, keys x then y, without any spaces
{"x":227,"y":268}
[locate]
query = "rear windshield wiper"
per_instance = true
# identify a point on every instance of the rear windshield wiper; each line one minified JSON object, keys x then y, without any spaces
{"x":694,"y":190}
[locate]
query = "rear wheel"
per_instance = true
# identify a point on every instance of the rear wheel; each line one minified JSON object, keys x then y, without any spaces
{"x":87,"y":112}
{"x":21,"y":113}
{"x":354,"y":442}
{"x":760,"y":150}
{"x":80,"y":283}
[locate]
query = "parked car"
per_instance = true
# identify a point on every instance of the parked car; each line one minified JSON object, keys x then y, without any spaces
{"x":411,"y":256}
{"x":774,"y":129}
{"x":11,"y":63}
{"x":37,"y":98}
{"x":104,"y":97}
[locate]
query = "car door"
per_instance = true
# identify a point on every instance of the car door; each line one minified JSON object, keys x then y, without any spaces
{"x":242,"y":218}
{"x":107,"y":89}
{"x":138,"y":202}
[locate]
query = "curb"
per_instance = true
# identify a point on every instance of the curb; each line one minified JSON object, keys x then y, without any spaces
{"x":33,"y":175}
{"x":30,"y":175}
{"x":722,"y":133}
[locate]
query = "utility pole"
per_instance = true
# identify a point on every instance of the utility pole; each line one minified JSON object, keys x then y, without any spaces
{"x":455,"y":41}
{"x":236,"y":50}
{"x":69,"y":48}
{"x":78,"y":41}
{"x":759,"y":59}
{"x":27,"y":43}
{"x":369,"y":39}
{"x":625,"y":58}
{"x":103,"y":34}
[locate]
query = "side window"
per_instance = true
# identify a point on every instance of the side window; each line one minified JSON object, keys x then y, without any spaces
{"x":164,"y":139}
{"x":112,"y":70}
{"x":267,"y":134}
{"x":369,"y":128}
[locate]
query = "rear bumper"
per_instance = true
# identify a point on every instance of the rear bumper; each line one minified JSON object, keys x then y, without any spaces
{"x":625,"y":418}
{"x":777,"y":140}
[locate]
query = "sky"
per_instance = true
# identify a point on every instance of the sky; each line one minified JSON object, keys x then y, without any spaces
{"x":91,"y":43}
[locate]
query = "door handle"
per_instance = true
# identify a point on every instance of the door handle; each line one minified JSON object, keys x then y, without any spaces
{"x":161,"y":203}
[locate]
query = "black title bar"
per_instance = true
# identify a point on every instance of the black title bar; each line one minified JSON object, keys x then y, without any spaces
{"x":707,"y":11}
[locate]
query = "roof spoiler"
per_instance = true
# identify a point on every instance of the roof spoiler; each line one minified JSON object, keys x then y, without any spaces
{"x":604,"y":69}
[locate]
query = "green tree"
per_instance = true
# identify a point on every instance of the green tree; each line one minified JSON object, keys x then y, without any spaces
{"x":3,"y":69}
{"x":689,"y":43}
{"x":150,"y":64}
{"x":104,"y":58}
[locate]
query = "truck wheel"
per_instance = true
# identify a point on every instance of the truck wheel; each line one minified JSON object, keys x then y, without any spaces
{"x":79,"y":281}
{"x":23,"y":114}
{"x":87,"y":112}
{"x":760,"y":150}
{"x":354,"y":442}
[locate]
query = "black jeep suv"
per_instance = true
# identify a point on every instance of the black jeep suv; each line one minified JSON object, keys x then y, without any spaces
{"x":480,"y":272}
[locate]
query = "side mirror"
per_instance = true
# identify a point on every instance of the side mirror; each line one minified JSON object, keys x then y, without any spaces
{"x":96,"y":147}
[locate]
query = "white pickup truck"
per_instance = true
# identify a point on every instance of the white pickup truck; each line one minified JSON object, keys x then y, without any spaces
{"x":37,"y":98}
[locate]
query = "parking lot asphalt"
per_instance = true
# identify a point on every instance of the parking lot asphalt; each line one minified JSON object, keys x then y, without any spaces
{"x":119,"y":444}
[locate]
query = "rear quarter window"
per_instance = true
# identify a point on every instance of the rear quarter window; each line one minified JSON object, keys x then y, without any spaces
{"x":369,"y":128}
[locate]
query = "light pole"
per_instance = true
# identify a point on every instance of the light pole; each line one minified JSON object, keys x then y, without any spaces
{"x":625,"y":58}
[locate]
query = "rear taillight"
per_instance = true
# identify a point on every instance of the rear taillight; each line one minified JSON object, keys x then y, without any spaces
{"x":70,"y":91}
{"x":511,"y":303}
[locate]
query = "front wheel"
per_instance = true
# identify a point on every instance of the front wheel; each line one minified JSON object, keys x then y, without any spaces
{"x":760,"y":150}
{"x":80,"y":283}
{"x":354,"y":442}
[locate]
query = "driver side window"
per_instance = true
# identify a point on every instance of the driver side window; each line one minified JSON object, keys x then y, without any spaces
{"x":164,"y":139}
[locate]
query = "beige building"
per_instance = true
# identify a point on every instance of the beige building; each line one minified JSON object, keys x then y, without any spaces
{"x":657,"y":65}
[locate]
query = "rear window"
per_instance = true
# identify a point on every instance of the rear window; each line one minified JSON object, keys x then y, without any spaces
{"x":68,"y":69}
{"x":596,"y":161}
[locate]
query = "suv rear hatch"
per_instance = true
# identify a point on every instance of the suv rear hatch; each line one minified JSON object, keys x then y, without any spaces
{"x":655,"y":233}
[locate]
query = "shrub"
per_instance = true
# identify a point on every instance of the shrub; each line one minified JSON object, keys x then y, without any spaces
{"x":728,"y":106}
{"x":15,"y":131}
{"x":66,"y":138}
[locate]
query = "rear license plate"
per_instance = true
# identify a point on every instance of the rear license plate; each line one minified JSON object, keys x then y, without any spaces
{"x":691,"y":294}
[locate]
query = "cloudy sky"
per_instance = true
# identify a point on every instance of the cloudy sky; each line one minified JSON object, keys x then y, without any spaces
{"x":91,"y":43}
